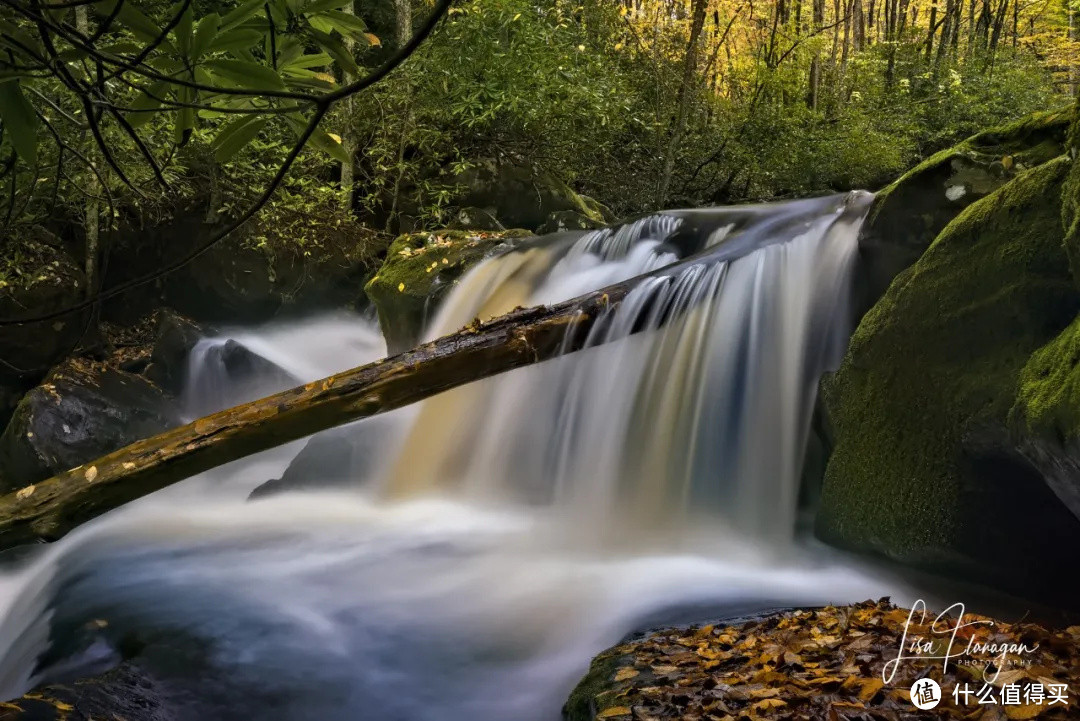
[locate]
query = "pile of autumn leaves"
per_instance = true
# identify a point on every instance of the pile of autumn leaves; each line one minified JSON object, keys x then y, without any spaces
{"x":817,"y":664}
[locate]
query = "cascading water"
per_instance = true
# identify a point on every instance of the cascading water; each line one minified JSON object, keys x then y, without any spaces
{"x":515,"y":526}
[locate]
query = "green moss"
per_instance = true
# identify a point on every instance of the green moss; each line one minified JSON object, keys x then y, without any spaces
{"x":419,"y":269}
{"x":1048,"y":394}
{"x":939,"y":357}
{"x":1070,"y":199}
{"x":596,"y":691}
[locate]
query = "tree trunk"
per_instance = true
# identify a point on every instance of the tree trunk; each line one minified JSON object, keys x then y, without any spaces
{"x":51,"y":508}
{"x":683,"y":104}
{"x":403,"y":21}
{"x":348,"y":136}
{"x":91,"y":212}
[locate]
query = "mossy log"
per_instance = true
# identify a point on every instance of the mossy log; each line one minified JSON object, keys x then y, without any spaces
{"x":51,"y":508}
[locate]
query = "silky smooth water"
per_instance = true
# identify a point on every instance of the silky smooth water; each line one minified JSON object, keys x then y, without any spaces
{"x":511,"y":528}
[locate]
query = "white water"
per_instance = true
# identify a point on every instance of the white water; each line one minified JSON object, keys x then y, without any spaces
{"x":518,"y":525}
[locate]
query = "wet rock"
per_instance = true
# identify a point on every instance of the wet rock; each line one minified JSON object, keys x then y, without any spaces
{"x":910,"y":213}
{"x":568,"y":220}
{"x":126,"y":693}
{"x":81,"y":411}
{"x":175,"y":336}
{"x":335,"y":459}
{"x":936,"y":361}
{"x":419,"y":270}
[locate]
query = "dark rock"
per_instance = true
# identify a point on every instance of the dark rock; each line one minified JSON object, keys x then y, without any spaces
{"x":567,"y":220}
{"x":475,"y":219}
{"x":126,"y":693}
{"x":910,"y":213}
{"x":335,"y":459}
{"x":175,"y":336}
{"x":914,"y":474}
{"x":231,"y":373}
{"x":81,"y":411}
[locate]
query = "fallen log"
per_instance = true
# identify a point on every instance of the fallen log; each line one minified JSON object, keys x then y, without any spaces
{"x":48,"y":510}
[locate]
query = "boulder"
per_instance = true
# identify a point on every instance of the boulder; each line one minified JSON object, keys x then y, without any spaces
{"x":520,"y":195}
{"x":174,"y":337}
{"x":419,"y":270}
{"x":81,"y":411}
{"x":338,"y":458}
{"x":934,"y":364}
{"x":912,"y":211}
{"x":1045,"y":420}
{"x":562,"y":220}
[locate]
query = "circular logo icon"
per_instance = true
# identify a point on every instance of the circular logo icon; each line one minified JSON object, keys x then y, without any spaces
{"x":925,"y":694}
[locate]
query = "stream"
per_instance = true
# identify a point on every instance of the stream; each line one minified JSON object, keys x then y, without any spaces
{"x":499,"y":535}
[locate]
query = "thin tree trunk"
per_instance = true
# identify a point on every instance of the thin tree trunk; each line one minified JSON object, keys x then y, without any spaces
{"x":686,"y":93}
{"x":348,"y":136}
{"x":91,"y":211}
{"x":403,"y":21}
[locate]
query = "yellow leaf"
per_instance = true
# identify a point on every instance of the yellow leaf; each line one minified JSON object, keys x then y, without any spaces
{"x":614,"y":711}
{"x":25,"y":493}
{"x":373,"y":39}
{"x":91,"y":474}
{"x":870,"y":687}
{"x":335,"y":138}
{"x":401,"y":287}
{"x":625,"y":673}
{"x":770,"y":703}
{"x":1027,"y":711}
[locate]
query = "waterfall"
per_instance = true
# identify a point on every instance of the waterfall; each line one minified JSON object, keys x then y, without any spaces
{"x":695,"y":393}
{"x":511,"y":528}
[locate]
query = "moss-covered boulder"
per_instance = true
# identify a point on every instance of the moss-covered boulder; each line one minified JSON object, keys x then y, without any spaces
{"x":1045,"y":420}
{"x":931,"y":373}
{"x":908,"y":214}
{"x":419,"y":270}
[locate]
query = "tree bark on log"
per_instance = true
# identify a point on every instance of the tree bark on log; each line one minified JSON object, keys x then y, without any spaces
{"x":48,"y":510}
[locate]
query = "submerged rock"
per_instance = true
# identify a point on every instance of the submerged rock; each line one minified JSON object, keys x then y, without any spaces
{"x":932,"y":365}
{"x":81,"y":411}
{"x":912,"y":211}
{"x":337,"y":458}
{"x":419,"y":270}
